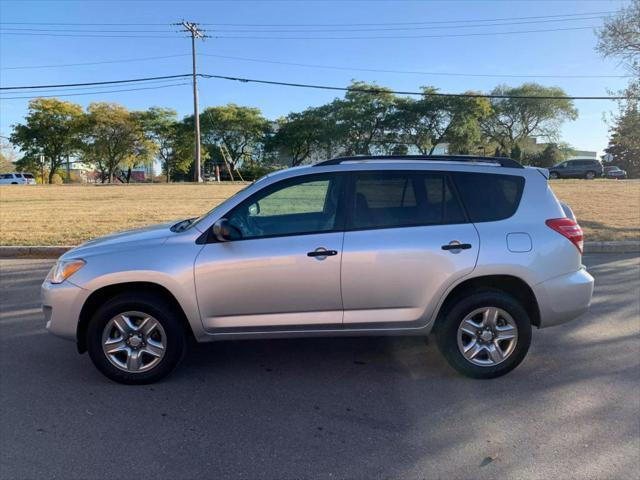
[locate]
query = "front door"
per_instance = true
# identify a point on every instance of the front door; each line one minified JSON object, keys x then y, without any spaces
{"x":407,"y":239}
{"x":283,"y":270}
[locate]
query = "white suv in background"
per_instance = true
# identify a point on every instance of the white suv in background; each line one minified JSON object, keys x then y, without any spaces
{"x":476,"y":250}
{"x":17,"y":179}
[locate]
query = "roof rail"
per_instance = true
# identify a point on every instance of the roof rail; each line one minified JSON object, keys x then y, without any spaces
{"x":502,"y":161}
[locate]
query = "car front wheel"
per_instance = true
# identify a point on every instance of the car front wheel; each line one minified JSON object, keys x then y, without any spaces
{"x":553,"y":175}
{"x":590,"y":175}
{"x":136,"y":339}
{"x":485,"y":335}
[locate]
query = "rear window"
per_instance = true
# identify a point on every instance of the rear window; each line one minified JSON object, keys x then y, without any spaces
{"x":403,"y":199}
{"x":489,"y":197}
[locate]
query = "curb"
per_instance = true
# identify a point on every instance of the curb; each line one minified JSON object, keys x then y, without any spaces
{"x":56,"y":251}
{"x":632,"y":246}
{"x":33,"y":252}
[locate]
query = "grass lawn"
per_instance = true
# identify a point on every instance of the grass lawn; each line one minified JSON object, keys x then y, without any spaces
{"x":69,"y":215}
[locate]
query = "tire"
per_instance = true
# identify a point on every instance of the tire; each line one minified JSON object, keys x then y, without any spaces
{"x":590,"y":175}
{"x":144,"y":352}
{"x":451,"y":341}
{"x":554,"y":175}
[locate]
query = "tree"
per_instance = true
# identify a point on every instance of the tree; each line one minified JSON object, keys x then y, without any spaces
{"x":114,"y":139}
{"x":8,"y":157}
{"x":238,"y":130}
{"x":51,"y":130}
{"x":512,"y":120}
{"x":624,"y":142}
{"x":298,"y":135}
{"x":620,"y":37}
{"x":433,"y":119}
{"x":363,"y":118}
{"x":550,"y":156}
{"x":173,"y":141}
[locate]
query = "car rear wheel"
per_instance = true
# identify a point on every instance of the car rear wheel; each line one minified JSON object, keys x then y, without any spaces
{"x":553,"y":175}
{"x":485,"y":335}
{"x":590,"y":175}
{"x":136,"y":339}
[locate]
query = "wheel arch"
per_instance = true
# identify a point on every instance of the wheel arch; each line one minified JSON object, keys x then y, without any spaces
{"x":101,"y":295}
{"x":509,"y":284}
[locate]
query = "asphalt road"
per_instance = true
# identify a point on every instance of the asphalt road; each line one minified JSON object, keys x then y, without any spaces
{"x":327,"y":408}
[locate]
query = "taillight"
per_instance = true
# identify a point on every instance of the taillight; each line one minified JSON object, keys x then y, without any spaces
{"x":568,"y":228}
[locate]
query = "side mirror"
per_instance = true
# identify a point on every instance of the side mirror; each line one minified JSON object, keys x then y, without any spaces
{"x":254,"y":209}
{"x":224,"y":231}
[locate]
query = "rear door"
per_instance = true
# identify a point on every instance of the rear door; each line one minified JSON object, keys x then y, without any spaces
{"x":407,"y":240}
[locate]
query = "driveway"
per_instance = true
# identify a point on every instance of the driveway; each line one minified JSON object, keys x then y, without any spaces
{"x":327,"y":408}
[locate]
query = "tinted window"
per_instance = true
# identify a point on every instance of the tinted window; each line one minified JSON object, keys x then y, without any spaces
{"x":489,"y":197}
{"x":401,"y":199}
{"x":6,"y":175}
{"x":302,"y":205}
{"x":27,"y":175}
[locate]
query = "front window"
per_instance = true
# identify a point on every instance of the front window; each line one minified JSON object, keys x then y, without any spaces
{"x":297,"y":206}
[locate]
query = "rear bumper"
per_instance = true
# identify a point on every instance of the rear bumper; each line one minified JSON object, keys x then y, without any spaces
{"x":564,"y":298}
{"x":61,"y":305}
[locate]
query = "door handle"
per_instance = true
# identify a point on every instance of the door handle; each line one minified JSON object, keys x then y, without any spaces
{"x":322,"y":253}
{"x":456,"y":246}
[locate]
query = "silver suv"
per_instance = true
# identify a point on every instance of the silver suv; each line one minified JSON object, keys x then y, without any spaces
{"x":474,"y":250}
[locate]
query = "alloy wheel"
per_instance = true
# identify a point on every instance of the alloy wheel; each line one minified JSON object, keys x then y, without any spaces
{"x":134,"y":342}
{"x":487,"y":336}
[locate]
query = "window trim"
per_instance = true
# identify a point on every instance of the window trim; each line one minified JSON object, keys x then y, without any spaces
{"x":350,"y":204}
{"x":340,"y":217}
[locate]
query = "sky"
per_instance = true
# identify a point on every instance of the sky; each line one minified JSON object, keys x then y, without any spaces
{"x":445,"y":39}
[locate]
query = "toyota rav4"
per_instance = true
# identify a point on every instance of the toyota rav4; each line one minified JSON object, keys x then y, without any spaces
{"x":476,"y":251}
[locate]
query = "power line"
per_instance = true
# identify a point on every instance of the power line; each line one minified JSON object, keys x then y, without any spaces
{"x":127,"y":60}
{"x":412,"y":72}
{"x":391,"y":37}
{"x":321,"y":87}
{"x":93,"y":93}
{"x":86,"y":35}
{"x":324,"y":30}
{"x":396,"y":92}
{"x":96,"y":83}
{"x":430,"y":22}
{"x":280,"y":37}
{"x":408,"y":28}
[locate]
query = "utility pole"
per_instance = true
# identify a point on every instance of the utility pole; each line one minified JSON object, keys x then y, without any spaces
{"x":192,"y":28}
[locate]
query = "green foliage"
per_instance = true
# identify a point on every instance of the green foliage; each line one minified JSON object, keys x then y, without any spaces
{"x":624,"y":143}
{"x":430,"y":120}
{"x":514,"y":119}
{"x":113,"y":138}
{"x":550,"y":156}
{"x":298,"y":135}
{"x":362,"y":118}
{"x":239,"y":130}
{"x":516,"y":153}
{"x":173,"y":140}
{"x":52,"y":130}
{"x":253,"y":171}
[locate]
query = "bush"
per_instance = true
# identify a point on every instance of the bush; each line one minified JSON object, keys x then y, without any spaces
{"x":256,"y":170}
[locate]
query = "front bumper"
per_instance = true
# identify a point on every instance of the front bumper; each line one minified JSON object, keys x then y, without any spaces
{"x":61,"y":305}
{"x":564,"y":298}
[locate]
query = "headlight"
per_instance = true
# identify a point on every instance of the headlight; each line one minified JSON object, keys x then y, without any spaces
{"x":63,"y":269}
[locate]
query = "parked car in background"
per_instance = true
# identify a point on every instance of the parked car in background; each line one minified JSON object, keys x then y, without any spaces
{"x":476,"y":250}
{"x":17,"y":179}
{"x":587,"y":168}
{"x":614,"y":172}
